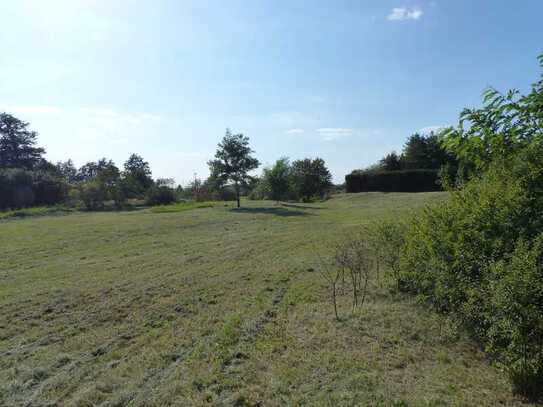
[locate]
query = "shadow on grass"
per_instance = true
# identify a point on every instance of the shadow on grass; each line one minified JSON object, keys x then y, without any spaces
{"x":271,"y":211}
{"x":302,"y":206}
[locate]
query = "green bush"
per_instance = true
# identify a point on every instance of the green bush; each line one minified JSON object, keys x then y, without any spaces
{"x":386,"y":239}
{"x":478,"y":257}
{"x":160,"y":195}
{"x":21,"y":188}
{"x":515,"y":316}
{"x":48,"y":189}
{"x":92,"y":194}
{"x":393,"y":181}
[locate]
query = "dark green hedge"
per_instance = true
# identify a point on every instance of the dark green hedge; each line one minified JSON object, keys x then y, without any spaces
{"x":393,"y":181}
{"x":20,"y":189}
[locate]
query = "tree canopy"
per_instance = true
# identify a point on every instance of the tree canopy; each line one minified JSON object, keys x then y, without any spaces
{"x":17,"y":144}
{"x":311,"y":177}
{"x":233,"y":161}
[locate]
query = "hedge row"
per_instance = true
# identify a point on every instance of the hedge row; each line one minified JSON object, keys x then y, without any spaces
{"x":393,"y":181}
{"x":21,"y":189}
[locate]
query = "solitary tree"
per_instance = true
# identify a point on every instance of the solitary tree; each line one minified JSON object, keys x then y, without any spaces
{"x":17,"y":144}
{"x":233,"y":161}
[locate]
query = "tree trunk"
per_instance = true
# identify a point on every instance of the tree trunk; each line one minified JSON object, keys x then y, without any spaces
{"x":237,"y":194}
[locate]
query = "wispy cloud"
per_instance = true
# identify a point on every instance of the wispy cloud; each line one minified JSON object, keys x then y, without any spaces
{"x":95,"y":113}
{"x":295,"y":131}
{"x":404,"y":13}
{"x":334,"y":133}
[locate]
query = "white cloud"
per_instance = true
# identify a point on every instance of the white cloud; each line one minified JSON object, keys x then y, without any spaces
{"x":431,"y":129}
{"x":295,"y":131}
{"x":404,"y":13}
{"x":334,"y":133}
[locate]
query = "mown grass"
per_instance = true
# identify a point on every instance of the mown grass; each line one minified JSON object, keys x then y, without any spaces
{"x":218,"y":306}
{"x":182,"y":206}
{"x":37,"y":211}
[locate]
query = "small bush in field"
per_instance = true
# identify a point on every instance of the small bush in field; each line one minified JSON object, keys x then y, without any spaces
{"x":354,"y":259}
{"x":351,"y":267}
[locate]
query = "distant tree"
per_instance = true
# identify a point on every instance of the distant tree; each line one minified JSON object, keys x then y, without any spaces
{"x":259,"y":188}
{"x":426,"y":152}
{"x":108,"y":173}
{"x":233,"y":161}
{"x":165,"y":182}
{"x":391,"y":162}
{"x":17,"y":144}
{"x":47,"y":167}
{"x":136,"y":176}
{"x":67,"y":170}
{"x":88,"y":171}
{"x":197,"y":190}
{"x":415,"y":152}
{"x":104,"y":169}
{"x":310,"y":177}
{"x":278,"y":179}
{"x":92,"y":194}
{"x":160,"y":195}
{"x":104,"y":175}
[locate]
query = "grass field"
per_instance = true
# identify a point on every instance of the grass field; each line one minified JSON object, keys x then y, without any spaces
{"x":216,"y":306}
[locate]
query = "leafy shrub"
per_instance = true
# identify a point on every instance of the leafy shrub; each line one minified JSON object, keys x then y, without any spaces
{"x":478,"y":257}
{"x":260,"y":191}
{"x":21,"y":188}
{"x":515,"y":316}
{"x":393,"y":181}
{"x":92,"y":195}
{"x":160,"y":195}
{"x":48,"y":189}
{"x":225,"y":193}
{"x":386,"y":240}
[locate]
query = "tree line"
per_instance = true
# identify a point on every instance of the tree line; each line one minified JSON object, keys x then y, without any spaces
{"x":421,"y":166}
{"x":28,"y":179}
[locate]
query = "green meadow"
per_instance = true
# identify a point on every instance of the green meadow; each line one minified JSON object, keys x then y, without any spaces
{"x":210,"y":305}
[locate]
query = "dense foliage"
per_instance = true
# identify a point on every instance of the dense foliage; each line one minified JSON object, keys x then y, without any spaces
{"x":420,"y":167}
{"x":393,"y":181}
{"x":17,"y":144}
{"x":28,"y":179}
{"x":479,"y":256}
{"x":233,"y":162}
{"x":160,"y":195}
{"x":300,"y":180}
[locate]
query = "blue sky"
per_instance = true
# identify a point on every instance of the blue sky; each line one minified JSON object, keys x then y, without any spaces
{"x":343,"y":80}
